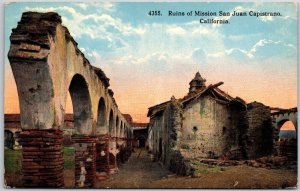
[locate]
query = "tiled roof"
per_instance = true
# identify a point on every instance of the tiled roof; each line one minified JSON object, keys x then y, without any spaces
{"x":128,"y":118}
{"x":212,"y":89}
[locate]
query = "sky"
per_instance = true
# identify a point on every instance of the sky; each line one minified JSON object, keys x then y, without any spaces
{"x":150,"y":58}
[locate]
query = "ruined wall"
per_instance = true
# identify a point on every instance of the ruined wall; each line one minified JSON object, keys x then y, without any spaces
{"x":260,"y":131}
{"x":157,"y":136}
{"x":46,"y":65}
{"x":209,"y":129}
{"x":165,"y":138}
{"x":175,"y":160}
{"x":45,"y":59}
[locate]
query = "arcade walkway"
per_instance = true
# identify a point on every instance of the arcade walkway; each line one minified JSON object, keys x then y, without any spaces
{"x":135,"y":173}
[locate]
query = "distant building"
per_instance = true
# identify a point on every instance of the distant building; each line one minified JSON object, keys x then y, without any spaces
{"x":140,"y":132}
{"x":12,"y":129}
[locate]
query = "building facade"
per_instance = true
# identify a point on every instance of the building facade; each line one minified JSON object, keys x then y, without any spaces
{"x":208,"y":123}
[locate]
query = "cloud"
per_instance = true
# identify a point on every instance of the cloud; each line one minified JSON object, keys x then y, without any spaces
{"x":263,"y":48}
{"x":143,"y":41}
{"x":52,"y":9}
{"x":101,"y":21}
{"x":82,"y":5}
{"x":175,"y":30}
{"x":107,"y":6}
{"x":266,"y":18}
{"x":199,"y":56}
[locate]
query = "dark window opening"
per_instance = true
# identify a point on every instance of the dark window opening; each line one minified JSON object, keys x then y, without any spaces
{"x":195,"y":129}
{"x":224,"y":129}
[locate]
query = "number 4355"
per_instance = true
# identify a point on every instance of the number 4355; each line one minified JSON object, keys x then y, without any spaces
{"x":154,"y":13}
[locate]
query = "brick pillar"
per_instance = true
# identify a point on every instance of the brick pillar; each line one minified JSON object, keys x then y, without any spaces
{"x":85,"y":160}
{"x":42,"y":162}
{"x":112,"y":157}
{"x":102,"y":160}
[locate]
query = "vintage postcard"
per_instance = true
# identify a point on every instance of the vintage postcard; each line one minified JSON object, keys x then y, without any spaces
{"x":150,"y":95}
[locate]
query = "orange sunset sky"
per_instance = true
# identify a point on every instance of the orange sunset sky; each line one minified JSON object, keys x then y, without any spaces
{"x":136,"y":97}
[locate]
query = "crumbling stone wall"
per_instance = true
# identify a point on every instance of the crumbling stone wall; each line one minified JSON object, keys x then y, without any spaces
{"x":210,"y":129}
{"x":259,"y":136}
{"x":175,"y":160}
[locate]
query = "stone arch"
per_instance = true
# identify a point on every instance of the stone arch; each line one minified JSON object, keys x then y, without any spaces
{"x":117,"y":126}
{"x":125,"y":132}
{"x":101,"y":116}
{"x":120,"y":129}
{"x":46,"y":66}
{"x":280,"y":123}
{"x":81,"y":101}
{"x":111,"y":122}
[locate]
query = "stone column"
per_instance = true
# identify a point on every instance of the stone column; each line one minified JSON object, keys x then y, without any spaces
{"x":85,"y":160}
{"x":42,"y":163}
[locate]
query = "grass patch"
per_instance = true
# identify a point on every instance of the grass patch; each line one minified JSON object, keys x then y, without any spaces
{"x":69,"y":158}
{"x":201,"y":168}
{"x":12,"y":161}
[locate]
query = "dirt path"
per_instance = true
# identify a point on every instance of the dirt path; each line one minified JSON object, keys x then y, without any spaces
{"x":135,"y":173}
{"x":143,"y":173}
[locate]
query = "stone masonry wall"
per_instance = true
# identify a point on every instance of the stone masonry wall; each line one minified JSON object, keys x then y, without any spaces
{"x":209,"y":129}
{"x":259,"y":137}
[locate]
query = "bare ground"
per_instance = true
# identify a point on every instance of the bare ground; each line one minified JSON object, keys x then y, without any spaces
{"x":143,"y":173}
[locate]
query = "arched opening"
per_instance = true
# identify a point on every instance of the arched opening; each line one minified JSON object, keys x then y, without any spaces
{"x":78,"y":120}
{"x":81,"y":105}
{"x":287,"y":131}
{"x":126,"y":132}
{"x":120,"y":131}
{"x":287,"y":142}
{"x":117,"y":126}
{"x":111,"y":122}
{"x":8,"y":139}
{"x":101,"y":114}
{"x":69,"y":122}
{"x":141,"y":141}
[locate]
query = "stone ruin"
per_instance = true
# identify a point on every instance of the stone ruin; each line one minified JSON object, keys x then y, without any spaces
{"x":46,"y":65}
{"x":210,"y":126}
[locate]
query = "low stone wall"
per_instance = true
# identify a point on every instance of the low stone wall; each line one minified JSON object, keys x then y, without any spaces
{"x":288,"y":148}
{"x":260,"y":131}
